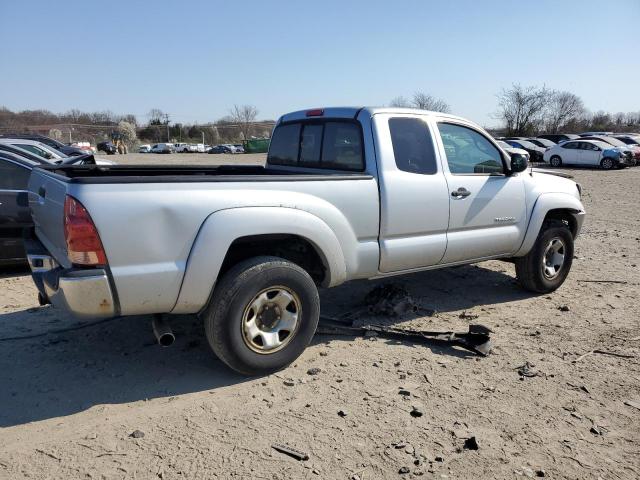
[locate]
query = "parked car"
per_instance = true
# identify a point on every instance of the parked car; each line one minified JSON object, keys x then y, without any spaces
{"x":535,"y":151}
{"x":162,"y":148}
{"x":629,"y":139}
{"x":542,"y":142}
{"x":559,"y":137}
{"x":15,"y":214}
{"x":591,"y":134}
{"x":107,"y":147}
{"x":346,"y":193}
{"x":239,"y":148}
{"x":220,"y":149}
{"x":68,"y":150}
{"x":630,"y":150}
{"x":144,"y":148}
{"x":35,"y":147}
{"x":31,"y":154}
{"x":511,"y":150}
{"x":586,"y":152}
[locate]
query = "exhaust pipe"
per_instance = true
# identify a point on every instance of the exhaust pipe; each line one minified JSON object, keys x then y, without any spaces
{"x":162,"y":331}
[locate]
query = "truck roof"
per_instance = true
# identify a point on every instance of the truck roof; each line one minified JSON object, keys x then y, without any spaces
{"x":353,"y":112}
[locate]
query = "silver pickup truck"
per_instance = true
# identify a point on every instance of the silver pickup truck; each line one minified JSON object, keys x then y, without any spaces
{"x":346,"y":193}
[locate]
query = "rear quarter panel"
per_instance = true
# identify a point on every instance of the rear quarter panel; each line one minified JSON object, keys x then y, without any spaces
{"x":148,"y":230}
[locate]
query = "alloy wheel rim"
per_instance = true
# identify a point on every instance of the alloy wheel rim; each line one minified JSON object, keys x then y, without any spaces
{"x":553,"y":258}
{"x":270,"y":319}
{"x":606,"y":163}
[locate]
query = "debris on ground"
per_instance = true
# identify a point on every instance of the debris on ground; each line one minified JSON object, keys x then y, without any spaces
{"x":342,"y":413}
{"x":631,"y":403}
{"x":476,"y":340}
{"x":471,"y":444}
{"x":390,"y":299}
{"x":468,"y":316}
{"x":137,"y":434}
{"x":403,"y":470}
{"x":527,"y":370}
{"x":314,"y":371}
{"x":292,"y":452}
{"x":416,"y":412}
{"x":564,"y":308}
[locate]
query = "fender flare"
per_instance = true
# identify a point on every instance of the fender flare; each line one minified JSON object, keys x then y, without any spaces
{"x":543,"y":205}
{"x":223,"y":227}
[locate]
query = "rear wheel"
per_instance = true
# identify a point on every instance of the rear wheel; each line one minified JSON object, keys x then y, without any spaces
{"x":606,"y":163}
{"x":555,"y":161}
{"x":262,"y":315}
{"x":547,"y":265}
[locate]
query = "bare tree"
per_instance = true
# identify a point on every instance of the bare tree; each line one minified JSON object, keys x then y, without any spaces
{"x":522,"y":108}
{"x":563,"y":108}
{"x":156,"y":116}
{"x":244,"y":116}
{"x":424,"y":101}
{"x":400,"y":102}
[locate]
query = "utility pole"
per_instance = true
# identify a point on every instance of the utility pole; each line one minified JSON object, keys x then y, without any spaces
{"x":166,"y":120}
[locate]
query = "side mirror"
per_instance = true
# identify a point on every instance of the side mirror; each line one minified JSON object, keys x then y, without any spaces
{"x":519,"y":163}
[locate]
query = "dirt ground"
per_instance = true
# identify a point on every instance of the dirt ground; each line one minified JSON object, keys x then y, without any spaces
{"x":70,"y":402}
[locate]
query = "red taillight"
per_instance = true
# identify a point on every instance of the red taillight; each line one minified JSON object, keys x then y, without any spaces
{"x":83,"y":242}
{"x":317,"y":112}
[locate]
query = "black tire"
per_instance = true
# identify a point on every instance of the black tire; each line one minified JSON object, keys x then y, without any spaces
{"x":555,"y":161}
{"x":606,"y":163}
{"x":530,"y":269}
{"x":233,"y":295}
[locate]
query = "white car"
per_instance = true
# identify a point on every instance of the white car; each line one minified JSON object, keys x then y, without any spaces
{"x":511,"y":150}
{"x":586,"y":152}
{"x":162,"y":148}
{"x":144,"y":148}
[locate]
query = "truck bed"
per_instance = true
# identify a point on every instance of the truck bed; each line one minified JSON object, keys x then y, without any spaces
{"x":189,"y":173}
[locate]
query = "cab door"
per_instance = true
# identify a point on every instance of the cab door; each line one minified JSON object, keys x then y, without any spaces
{"x":589,"y":153}
{"x":488,"y":214}
{"x":414,"y":198}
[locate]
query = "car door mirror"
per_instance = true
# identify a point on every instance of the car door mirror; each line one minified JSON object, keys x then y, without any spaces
{"x":519,"y":163}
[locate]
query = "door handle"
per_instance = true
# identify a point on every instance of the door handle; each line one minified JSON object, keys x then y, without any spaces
{"x":460,"y":193}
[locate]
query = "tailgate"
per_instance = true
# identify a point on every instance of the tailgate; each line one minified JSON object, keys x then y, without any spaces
{"x":46,"y":199}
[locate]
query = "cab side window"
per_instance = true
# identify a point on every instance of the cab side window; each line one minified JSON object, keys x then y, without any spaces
{"x":412,"y":145}
{"x":13,"y":177}
{"x":469,"y":152}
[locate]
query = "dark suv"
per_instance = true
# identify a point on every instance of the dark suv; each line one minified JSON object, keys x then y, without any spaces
{"x":68,"y":150}
{"x":559,"y":137}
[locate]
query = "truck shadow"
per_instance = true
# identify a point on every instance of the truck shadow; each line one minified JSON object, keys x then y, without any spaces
{"x":446,"y":290}
{"x":118,"y":361}
{"x":114,"y":362}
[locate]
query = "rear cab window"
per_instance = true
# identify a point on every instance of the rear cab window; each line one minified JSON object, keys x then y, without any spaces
{"x":325,"y":144}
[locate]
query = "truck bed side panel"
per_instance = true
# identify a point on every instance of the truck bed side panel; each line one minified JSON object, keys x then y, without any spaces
{"x":148,"y":229}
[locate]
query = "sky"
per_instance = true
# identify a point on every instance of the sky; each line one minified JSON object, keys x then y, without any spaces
{"x":196,"y":59}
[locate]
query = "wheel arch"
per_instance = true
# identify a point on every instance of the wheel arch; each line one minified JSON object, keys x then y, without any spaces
{"x":552,"y":206}
{"x":240,"y":233}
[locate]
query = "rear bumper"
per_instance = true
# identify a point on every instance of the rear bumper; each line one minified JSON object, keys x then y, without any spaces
{"x":85,"y":293}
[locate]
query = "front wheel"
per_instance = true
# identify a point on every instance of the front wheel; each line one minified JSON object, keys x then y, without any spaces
{"x":262,"y":315}
{"x":606,"y":163}
{"x":547,"y":265}
{"x":555,"y":161}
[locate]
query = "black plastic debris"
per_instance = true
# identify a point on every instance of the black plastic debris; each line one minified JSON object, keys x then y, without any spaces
{"x":476,"y":340}
{"x":471,"y":444}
